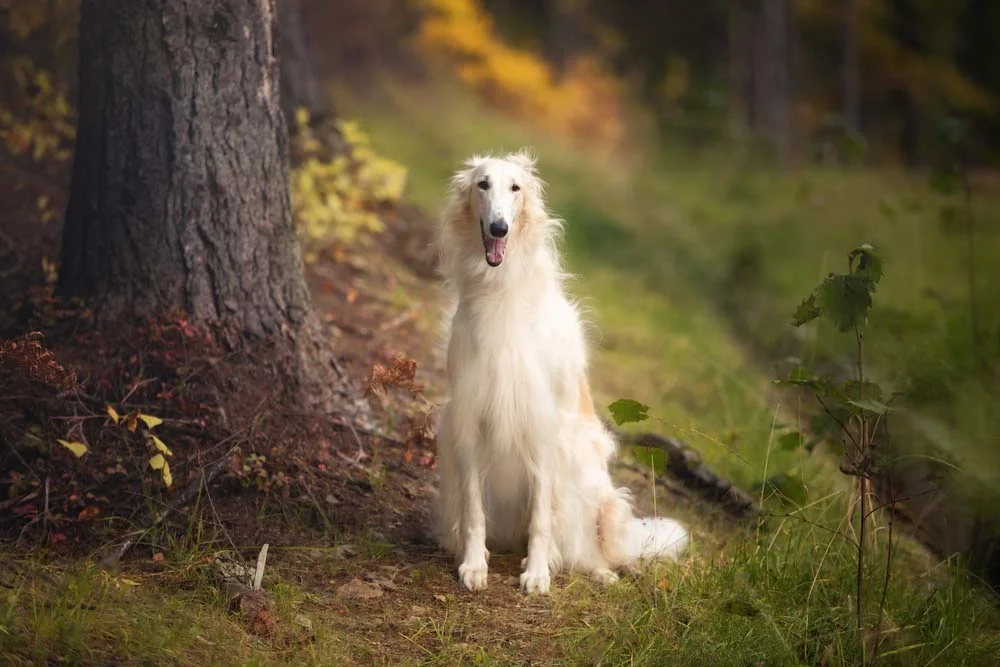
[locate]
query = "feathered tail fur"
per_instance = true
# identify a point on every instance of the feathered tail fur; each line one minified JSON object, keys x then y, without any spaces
{"x":626,"y":539}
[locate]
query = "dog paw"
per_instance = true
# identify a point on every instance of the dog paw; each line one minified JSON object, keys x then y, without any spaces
{"x":605,"y":576}
{"x":473,"y":577}
{"x":535,"y":582}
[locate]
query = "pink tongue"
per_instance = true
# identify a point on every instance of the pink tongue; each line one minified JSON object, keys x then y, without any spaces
{"x":494,"y":250}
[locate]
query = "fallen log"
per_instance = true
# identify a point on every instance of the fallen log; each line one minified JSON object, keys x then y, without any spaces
{"x":685,"y":465}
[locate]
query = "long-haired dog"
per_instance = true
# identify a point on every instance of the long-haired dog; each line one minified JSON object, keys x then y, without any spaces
{"x":523,"y":458}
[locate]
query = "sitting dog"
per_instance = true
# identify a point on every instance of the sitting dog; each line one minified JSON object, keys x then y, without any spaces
{"x":523,"y":457}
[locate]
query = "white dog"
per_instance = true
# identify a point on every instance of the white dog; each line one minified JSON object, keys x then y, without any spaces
{"x":523,"y":457}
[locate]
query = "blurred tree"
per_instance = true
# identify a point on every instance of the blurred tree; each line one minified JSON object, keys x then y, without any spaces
{"x":180,"y":186}
{"x":772,"y":75}
{"x":300,"y":89}
{"x":851,"y":68}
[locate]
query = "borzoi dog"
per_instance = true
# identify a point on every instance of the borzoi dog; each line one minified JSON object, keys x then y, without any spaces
{"x":523,"y":458}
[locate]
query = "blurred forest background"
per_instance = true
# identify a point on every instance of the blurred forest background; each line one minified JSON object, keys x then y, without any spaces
{"x":714,"y":161}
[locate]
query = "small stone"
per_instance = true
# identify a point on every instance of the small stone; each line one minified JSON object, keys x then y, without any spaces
{"x":359,"y":590}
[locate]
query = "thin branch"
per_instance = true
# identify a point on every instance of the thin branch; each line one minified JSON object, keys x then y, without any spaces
{"x":888,"y":572}
{"x":841,"y":424}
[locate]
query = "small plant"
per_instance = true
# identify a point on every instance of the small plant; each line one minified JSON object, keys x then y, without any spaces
{"x":852,"y":409}
{"x":337,"y":197}
{"x":40,"y":123}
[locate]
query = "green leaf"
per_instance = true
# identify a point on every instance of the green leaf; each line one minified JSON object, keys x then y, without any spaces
{"x":78,"y":448}
{"x":790,"y":441}
{"x":626,"y":410}
{"x":852,"y":389}
{"x":869,"y":263}
{"x":807,"y":311}
{"x":845,"y":299}
{"x":870,"y":405}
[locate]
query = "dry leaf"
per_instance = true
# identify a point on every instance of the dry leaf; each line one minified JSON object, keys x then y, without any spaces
{"x":78,"y":448}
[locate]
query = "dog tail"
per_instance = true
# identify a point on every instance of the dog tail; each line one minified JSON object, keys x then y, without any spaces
{"x":656,"y":538}
{"x":626,"y":539}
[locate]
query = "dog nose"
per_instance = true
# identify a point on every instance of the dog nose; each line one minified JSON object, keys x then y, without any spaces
{"x":499,"y":229}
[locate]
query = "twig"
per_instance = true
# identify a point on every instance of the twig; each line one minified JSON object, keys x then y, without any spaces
{"x":860,"y":583}
{"x":888,"y":571}
{"x":258,"y":575}
{"x":116,"y":554}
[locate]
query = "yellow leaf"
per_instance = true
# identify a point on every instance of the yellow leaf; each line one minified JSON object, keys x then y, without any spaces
{"x":150,"y":421}
{"x":78,"y":448}
{"x":112,"y":413}
{"x":168,"y":479}
{"x":301,"y":117}
{"x":160,"y":446}
{"x":131,"y":422}
{"x":157,"y":462}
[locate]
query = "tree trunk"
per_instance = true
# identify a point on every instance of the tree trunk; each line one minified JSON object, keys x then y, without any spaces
{"x":851,"y":69}
{"x":300,"y":89}
{"x":566,"y":33}
{"x":179,"y":195}
{"x":740,"y":60}
{"x":772,"y":76}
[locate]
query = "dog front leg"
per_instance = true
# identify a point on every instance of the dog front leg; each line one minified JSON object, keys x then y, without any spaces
{"x":473,"y":569}
{"x":536,"y":578}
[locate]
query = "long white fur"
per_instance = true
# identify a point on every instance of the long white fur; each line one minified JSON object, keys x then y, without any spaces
{"x":523,"y":459}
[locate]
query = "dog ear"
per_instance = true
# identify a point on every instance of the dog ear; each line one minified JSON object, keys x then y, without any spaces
{"x":462,"y":180}
{"x":524,"y":159}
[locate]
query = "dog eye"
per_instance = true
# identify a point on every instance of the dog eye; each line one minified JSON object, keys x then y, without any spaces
{"x":483,"y":185}
{"x":515,"y":188}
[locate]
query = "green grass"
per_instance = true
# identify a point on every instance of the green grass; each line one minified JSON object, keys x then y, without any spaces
{"x":79,"y":614}
{"x":691,"y":266}
{"x":694,"y":263}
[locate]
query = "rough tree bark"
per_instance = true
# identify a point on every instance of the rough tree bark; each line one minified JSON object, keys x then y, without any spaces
{"x":180,"y":186}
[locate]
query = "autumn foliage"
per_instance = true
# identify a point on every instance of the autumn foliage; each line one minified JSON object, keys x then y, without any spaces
{"x":584,"y":103}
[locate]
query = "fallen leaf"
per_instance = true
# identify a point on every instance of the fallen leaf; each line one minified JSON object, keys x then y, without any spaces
{"x":112,"y":413}
{"x":160,"y":446}
{"x":89,"y":513}
{"x":158,"y":557}
{"x":78,"y":448}
{"x":150,"y":421}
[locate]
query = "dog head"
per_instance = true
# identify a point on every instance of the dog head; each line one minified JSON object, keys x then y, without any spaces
{"x":496,"y":193}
